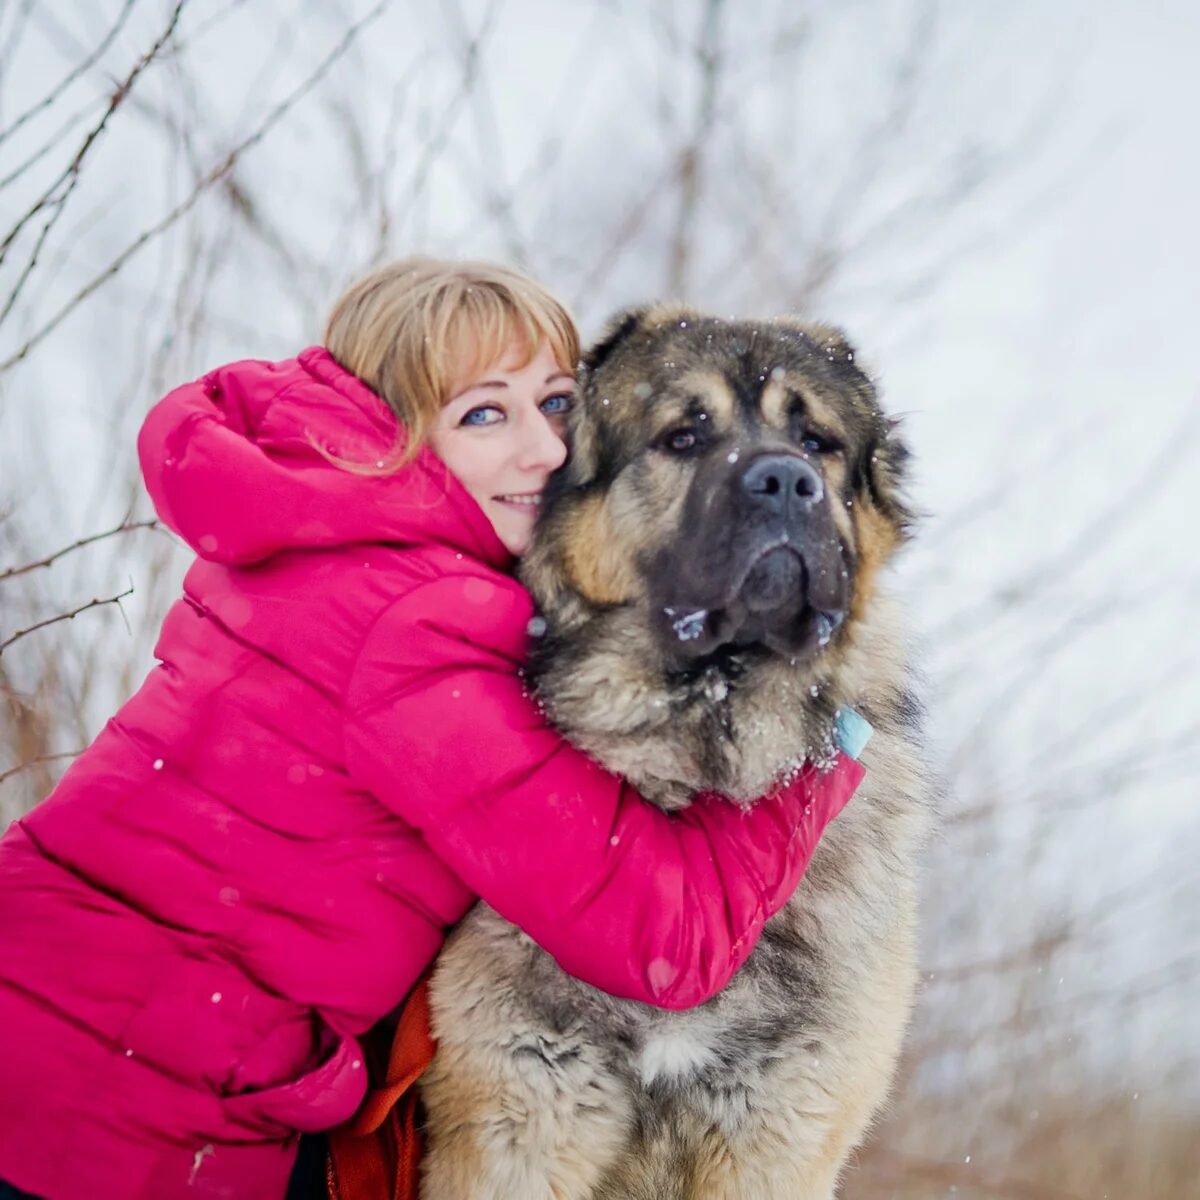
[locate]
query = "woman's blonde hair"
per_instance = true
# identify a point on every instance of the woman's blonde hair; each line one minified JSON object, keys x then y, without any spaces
{"x":417,"y":329}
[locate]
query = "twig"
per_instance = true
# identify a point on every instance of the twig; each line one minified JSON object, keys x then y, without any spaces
{"x":72,"y":170}
{"x":868,"y":160}
{"x":1037,"y":659}
{"x":215,"y":175}
{"x":1039,"y":950}
{"x":692,"y":160}
{"x":201,"y":27}
{"x":70,"y":616}
{"x":499,"y":202}
{"x":1047,"y":1022}
{"x":124,"y":527}
{"x":50,"y":146}
{"x":911,"y":1166}
{"x":15,"y":33}
{"x":70,"y":77}
{"x":1094,"y":536}
{"x":623,"y":236}
{"x":57,"y":205}
{"x":438,"y":139}
{"x":37,"y":762}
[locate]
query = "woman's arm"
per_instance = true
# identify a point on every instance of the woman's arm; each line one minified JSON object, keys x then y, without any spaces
{"x":655,"y":907}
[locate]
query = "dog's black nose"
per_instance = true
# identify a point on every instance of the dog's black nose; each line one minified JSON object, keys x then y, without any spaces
{"x":776,"y":480}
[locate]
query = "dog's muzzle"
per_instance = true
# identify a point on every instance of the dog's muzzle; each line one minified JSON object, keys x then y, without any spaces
{"x":758,"y":562}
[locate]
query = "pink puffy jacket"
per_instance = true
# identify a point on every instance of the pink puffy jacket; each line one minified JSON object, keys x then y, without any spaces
{"x":264,"y":848}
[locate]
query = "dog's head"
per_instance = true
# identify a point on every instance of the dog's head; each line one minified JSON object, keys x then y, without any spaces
{"x":736,"y":480}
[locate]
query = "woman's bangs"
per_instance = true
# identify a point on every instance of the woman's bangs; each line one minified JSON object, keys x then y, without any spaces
{"x":486,"y":328}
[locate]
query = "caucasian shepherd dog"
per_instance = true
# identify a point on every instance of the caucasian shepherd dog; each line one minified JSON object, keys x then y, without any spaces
{"x":708,"y":566}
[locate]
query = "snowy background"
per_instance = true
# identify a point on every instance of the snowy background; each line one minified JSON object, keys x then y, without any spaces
{"x":998,"y":202}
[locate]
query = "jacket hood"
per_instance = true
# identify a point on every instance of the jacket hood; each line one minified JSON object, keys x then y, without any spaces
{"x":239,"y":465}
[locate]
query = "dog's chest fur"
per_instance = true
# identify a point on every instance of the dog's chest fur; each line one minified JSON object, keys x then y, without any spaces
{"x":817,"y":956}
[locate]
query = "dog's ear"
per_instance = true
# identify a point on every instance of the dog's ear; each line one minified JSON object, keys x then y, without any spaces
{"x":587,"y":440}
{"x":588,"y":435}
{"x":618,"y":329}
{"x":831,"y":342}
{"x":882,"y":473}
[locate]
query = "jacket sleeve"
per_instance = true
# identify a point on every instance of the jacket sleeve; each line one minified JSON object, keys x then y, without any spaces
{"x":661,"y":908}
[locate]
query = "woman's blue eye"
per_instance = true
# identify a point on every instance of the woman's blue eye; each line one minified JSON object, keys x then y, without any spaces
{"x":480,"y":415}
{"x":555,"y":405}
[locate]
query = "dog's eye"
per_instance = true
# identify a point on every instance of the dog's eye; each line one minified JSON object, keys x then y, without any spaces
{"x":819,"y":443}
{"x":679,"y":441}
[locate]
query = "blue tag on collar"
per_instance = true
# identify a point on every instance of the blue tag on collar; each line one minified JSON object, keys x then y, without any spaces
{"x":853,"y":731}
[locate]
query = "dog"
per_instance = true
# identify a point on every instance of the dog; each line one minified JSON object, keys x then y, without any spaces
{"x":708,"y":568}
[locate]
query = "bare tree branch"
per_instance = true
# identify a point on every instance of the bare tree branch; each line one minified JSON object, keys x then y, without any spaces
{"x":625,"y":234}
{"x":691,"y":160}
{"x":867,"y":162}
{"x":51,"y":144}
{"x":15,"y":33}
{"x":471,"y":58}
{"x":1020,"y":958}
{"x":1095,"y":536}
{"x":64,"y":83}
{"x":215,"y":175}
{"x":67,"y":616}
{"x":70,"y":174}
{"x":37,"y":762}
{"x":932,"y":1171}
{"x":124,"y":527}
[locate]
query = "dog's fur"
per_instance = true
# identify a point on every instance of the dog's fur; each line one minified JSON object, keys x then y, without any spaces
{"x":708,"y":569}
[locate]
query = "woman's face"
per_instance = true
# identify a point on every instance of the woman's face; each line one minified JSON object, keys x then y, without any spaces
{"x":501,"y":434}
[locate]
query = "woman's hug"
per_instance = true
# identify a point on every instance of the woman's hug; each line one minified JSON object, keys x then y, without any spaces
{"x":347,"y":745}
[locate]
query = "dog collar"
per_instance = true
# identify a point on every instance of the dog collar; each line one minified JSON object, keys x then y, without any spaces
{"x":853,"y":731}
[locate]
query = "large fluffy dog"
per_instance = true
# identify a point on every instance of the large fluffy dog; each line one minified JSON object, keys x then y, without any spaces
{"x":707,"y":566}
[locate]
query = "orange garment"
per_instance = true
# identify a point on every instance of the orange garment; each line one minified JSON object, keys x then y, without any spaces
{"x":376,"y":1155}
